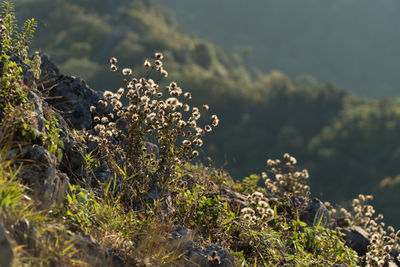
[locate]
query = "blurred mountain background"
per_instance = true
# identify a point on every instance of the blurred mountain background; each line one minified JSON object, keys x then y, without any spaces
{"x":283,"y":76}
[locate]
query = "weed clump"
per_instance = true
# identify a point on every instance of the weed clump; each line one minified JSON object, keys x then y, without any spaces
{"x":151,"y":114}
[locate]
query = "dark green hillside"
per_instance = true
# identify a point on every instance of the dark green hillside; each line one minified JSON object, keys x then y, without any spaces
{"x":352,"y":42}
{"x":350,"y":144}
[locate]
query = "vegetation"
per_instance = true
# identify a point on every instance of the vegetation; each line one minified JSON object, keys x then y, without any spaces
{"x":121,"y":215}
{"x":327,"y":127}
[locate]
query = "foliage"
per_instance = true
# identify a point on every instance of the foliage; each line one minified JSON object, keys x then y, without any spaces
{"x":263,"y":228}
{"x":150,"y":114}
{"x":13,"y":41}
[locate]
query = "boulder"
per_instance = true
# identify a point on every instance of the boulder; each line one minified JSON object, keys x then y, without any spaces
{"x":97,"y":255}
{"x":6,"y":252}
{"x":39,"y":172}
{"x":73,"y":98}
{"x":357,"y":239}
{"x":315,"y":214}
{"x":212,"y":256}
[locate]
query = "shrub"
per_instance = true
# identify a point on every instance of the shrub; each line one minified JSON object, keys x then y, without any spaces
{"x":151,"y":114}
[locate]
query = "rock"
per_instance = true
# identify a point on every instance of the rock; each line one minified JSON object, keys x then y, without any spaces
{"x":72,"y":161}
{"x":316,"y":214}
{"x":6,"y":252}
{"x":73,"y":98}
{"x":212,"y":256}
{"x":27,"y":72}
{"x":37,"y":119}
{"x":234,"y":199}
{"x":48,"y":68}
{"x":96,"y":255}
{"x":24,"y":233}
{"x":395,"y":252}
{"x":357,"y":239}
{"x":39,"y":171}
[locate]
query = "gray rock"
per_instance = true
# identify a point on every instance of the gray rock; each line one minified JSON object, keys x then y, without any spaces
{"x":72,"y":161}
{"x":357,"y":239}
{"x":48,"y":68}
{"x":73,"y":98}
{"x":27,"y":73}
{"x":316,"y":214}
{"x":234,"y":199}
{"x":39,"y":171}
{"x":26,"y":234}
{"x":6,"y":252}
{"x":212,"y":256}
{"x":37,"y":120}
{"x":96,"y":255}
{"x":395,"y":252}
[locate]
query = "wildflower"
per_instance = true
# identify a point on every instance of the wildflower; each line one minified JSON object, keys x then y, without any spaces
{"x":120,"y":91}
{"x":126,"y":71}
{"x":195,"y":153}
{"x":113,"y":68}
{"x":113,"y":60}
{"x":247,"y":211}
{"x":107,"y":94}
{"x":206,"y":107}
{"x":246,"y":217}
{"x":188,"y":95}
{"x":270,"y":212}
{"x":104,"y":120}
{"x":159,"y":56}
{"x":92,"y":108}
{"x":186,"y":107}
{"x":260,"y":210}
{"x":208,"y":128}
{"x":198,"y":142}
{"x":158,"y":63}
{"x":147,"y":64}
{"x":164,"y":72}
{"x":2,"y":29}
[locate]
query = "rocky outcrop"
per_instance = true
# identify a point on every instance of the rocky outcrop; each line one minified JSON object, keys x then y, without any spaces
{"x":39,"y":171}
{"x":72,"y":97}
{"x":357,"y":239}
{"x":212,"y":256}
{"x":315,"y":214}
{"x":6,"y":252}
{"x":96,"y":254}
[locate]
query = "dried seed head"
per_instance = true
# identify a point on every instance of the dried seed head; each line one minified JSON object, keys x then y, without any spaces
{"x":159,"y":56}
{"x":126,"y":71}
{"x":164,"y":73}
{"x":120,"y":91}
{"x":113,"y":60}
{"x":158,"y":63}
{"x":147,"y":64}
